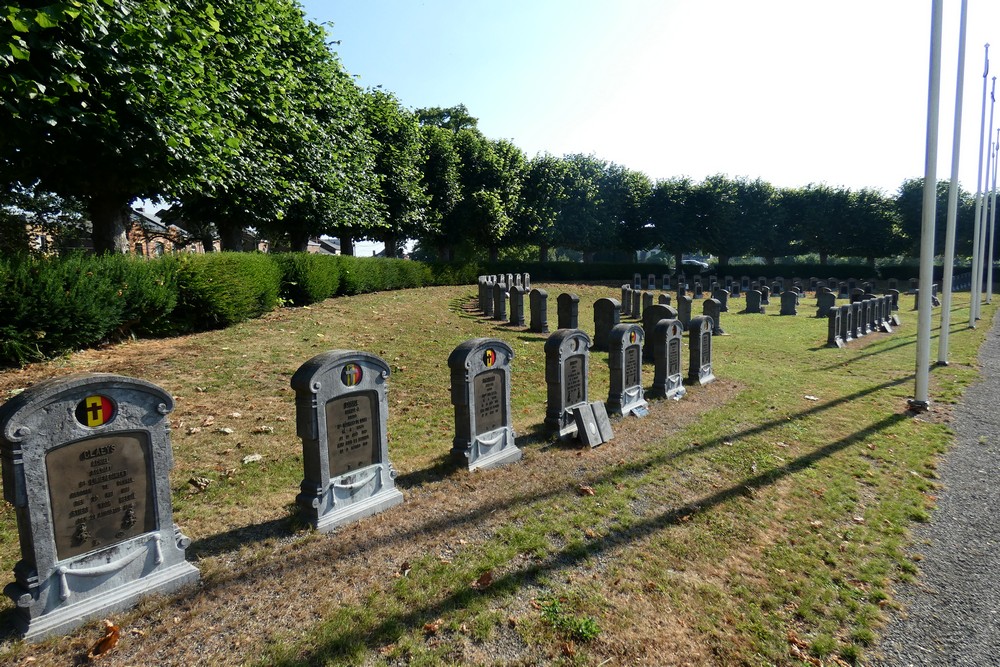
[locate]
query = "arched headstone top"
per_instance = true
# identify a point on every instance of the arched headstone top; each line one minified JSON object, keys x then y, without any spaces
{"x":481,"y":353}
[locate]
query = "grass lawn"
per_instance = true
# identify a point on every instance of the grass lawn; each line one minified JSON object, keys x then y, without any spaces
{"x":763,"y":519}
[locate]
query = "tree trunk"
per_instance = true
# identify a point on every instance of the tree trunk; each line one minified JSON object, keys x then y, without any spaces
{"x":208,"y":241}
{"x":494,"y":254}
{"x":543,"y":252}
{"x":391,"y":245}
{"x":230,"y":236}
{"x":347,"y":245}
{"x":678,"y":262}
{"x":109,"y":223}
{"x":298,"y":242}
{"x":442,"y":253}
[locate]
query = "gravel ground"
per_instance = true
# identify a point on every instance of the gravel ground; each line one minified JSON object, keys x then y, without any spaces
{"x":952,"y":615}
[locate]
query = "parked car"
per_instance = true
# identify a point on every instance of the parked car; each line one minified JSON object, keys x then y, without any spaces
{"x":695,"y":263}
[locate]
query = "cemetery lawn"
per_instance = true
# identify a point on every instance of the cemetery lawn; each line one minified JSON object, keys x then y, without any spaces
{"x":763,"y":519}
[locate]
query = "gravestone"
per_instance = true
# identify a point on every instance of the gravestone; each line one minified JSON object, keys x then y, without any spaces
{"x":682,"y":281}
{"x":894,"y":294}
{"x":647,"y":300}
{"x":516,"y":307}
{"x":636,"y":312}
{"x":713,"y":309}
{"x":846,"y":326}
{"x":684,"y":310}
{"x":722,"y":296}
{"x":824,"y":302}
{"x":526,"y":282}
{"x":487,"y":296}
{"x":681,"y":289}
{"x":914,"y":284}
{"x":665,"y":285}
{"x":626,"y":302}
{"x":842,"y":291}
{"x":744,"y":283}
{"x":592,"y":424}
{"x":341,"y":411}
{"x":728,"y":284}
{"x":813,"y":283}
{"x":567,"y":367}
{"x":852,"y":285}
{"x":765,"y":295}
{"x":776,"y":288}
{"x":700,"y":346}
{"x":517,"y":281}
{"x":86,"y":462}
{"x":754,"y":304}
{"x":887,"y":316}
{"x":697,"y":289}
{"x":668,"y":381}
{"x":607,"y":315}
{"x":500,"y":302}
{"x":651,"y":282}
{"x":762,"y":280}
{"x":480,"y":298}
{"x":857,"y":328}
{"x":625,"y":395}
{"x":637,"y":282}
{"x":789,"y":303}
{"x":650,"y":317}
{"x":480,"y":392}
{"x":857,"y":294}
{"x":568,"y":311}
{"x":833,"y":330}
{"x":538,"y":304}
{"x":663,"y":299}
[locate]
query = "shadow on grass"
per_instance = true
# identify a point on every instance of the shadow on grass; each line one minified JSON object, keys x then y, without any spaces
{"x":343,"y":643}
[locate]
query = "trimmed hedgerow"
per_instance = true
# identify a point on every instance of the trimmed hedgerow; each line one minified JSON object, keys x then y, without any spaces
{"x":307,"y":278}
{"x":218,"y":290}
{"x":149,"y":292}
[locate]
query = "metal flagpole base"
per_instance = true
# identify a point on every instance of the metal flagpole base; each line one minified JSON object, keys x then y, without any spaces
{"x":918,"y":407}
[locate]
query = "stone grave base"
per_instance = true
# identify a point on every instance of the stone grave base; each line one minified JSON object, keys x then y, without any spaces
{"x":379,"y":502}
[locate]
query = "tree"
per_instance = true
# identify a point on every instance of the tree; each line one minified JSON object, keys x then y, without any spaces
{"x":23,"y":208}
{"x":625,"y":198}
{"x":451,"y":118}
{"x":400,"y":196}
{"x":873,"y":228}
{"x":721,"y":218}
{"x":909,"y":204}
{"x":543,"y":196}
{"x":816,"y":215}
{"x":672,"y":213}
{"x":440,"y":168}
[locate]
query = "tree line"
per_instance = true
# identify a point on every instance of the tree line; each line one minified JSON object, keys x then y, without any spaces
{"x":242,"y":117}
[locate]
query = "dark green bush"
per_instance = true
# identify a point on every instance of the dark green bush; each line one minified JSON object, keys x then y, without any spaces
{"x":50,"y":306}
{"x":220,"y":289}
{"x":307,"y":278}
{"x":149,"y":290}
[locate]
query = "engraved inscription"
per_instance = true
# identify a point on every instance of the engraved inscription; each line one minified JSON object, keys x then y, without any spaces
{"x":674,"y":356}
{"x":351,"y":421}
{"x":632,"y":367}
{"x":488,"y":394}
{"x":706,"y":348}
{"x":574,"y":381}
{"x":100,"y":492}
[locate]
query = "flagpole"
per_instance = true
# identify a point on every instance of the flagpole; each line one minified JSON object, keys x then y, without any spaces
{"x":993,"y":222}
{"x":921,"y":401}
{"x":979,"y":200}
{"x":949,"y":239}
{"x":978,"y":278}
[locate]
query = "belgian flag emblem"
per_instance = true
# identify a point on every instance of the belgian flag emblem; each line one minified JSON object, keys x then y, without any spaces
{"x":489,"y":357}
{"x":631,"y":337}
{"x":351,"y":375}
{"x":95,"y":410}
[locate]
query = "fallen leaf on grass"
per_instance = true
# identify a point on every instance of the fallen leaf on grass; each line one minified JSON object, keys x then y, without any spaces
{"x":263,"y":429}
{"x":811,"y":398}
{"x":137,"y":632}
{"x":252,"y":458}
{"x":568,"y":649}
{"x":585,"y":490}
{"x":859,"y":520}
{"x":200,"y":483}
{"x":193,"y":430}
{"x":433,"y":627}
{"x":236,"y":415}
{"x":590,"y":533}
{"x":484,"y":581}
{"x":816,"y":524}
{"x":105,"y":643}
{"x":208,"y":421}
{"x":225,"y":430}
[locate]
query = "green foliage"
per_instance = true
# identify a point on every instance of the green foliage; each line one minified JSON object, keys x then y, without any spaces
{"x":361,"y":275}
{"x":307,"y":278}
{"x":217,"y":290}
{"x":148,"y":289}
{"x":581,"y":628}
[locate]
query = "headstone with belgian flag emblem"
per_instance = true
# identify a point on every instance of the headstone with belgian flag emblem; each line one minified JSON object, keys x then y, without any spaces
{"x":625,"y":395}
{"x":341,"y":414}
{"x":86,"y":461}
{"x":480,"y":392}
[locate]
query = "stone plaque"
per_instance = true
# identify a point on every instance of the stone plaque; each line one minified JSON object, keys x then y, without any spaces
{"x":632,"y":366}
{"x":586,"y":425}
{"x":603,"y":423}
{"x":351,"y":432}
{"x":100,"y":492}
{"x":488,"y":389}
{"x":573,"y":380}
{"x":674,"y":356}
{"x":341,"y":416}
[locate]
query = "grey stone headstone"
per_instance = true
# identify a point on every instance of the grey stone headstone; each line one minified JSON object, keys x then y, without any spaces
{"x":625,"y":395}
{"x":825,"y":301}
{"x":789,"y":303}
{"x":647,"y":300}
{"x":487,"y":296}
{"x":713,"y":309}
{"x":500,"y":302}
{"x":697,"y":293}
{"x":846,"y":326}
{"x":893,"y":283}
{"x":585,"y":425}
{"x":650,"y":317}
{"x":722,"y":296}
{"x":914,"y":284}
{"x":516,"y":306}
{"x":517,"y":281}
{"x":626,"y":302}
{"x":526,"y":282}
{"x":637,"y":282}
{"x":754,"y":302}
{"x":776,"y":288}
{"x":567,"y":368}
{"x":603,"y":423}
{"x":813,"y":283}
{"x":86,"y":461}
{"x":480,"y":392}
{"x":852,"y":285}
{"x":744,"y":283}
{"x":765,"y":295}
{"x":651,"y":281}
{"x":341,"y":412}
{"x":665,"y":285}
{"x":668,"y":380}
{"x":684,"y":310}
{"x":538,"y":304}
{"x":510,"y":280}
{"x":857,"y":294}
{"x":568,"y":310}
{"x":700,"y":346}
{"x":663,"y":299}
{"x":867,"y":315}
{"x":834,"y":328}
{"x":842,"y":291}
{"x":894,"y":293}
{"x":636,"y":310}
{"x":607,"y":314}
{"x":857,"y":328}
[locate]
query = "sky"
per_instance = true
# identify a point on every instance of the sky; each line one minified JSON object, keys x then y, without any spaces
{"x":790,"y":91}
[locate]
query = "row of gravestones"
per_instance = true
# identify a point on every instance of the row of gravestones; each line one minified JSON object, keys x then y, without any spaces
{"x":86,"y":458}
{"x":859,"y":318}
{"x":744,"y":283}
